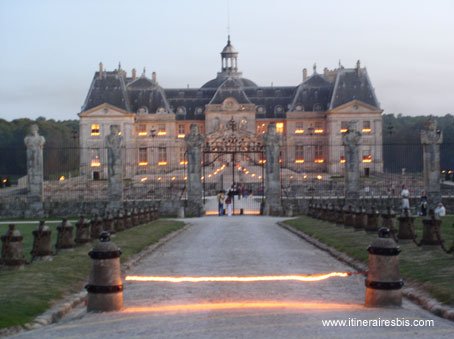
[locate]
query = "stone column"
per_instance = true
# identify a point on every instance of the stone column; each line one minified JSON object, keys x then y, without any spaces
{"x":351,"y":140}
{"x":114,"y":143}
{"x":34,"y":143}
{"x":431,"y":138}
{"x":272,"y":142}
{"x":194,"y":144}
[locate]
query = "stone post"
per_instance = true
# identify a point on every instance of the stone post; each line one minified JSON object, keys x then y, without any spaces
{"x":431,"y":138}
{"x":34,"y":143}
{"x":272,"y":142}
{"x":114,"y":143}
{"x":351,"y":140}
{"x":194,"y":145}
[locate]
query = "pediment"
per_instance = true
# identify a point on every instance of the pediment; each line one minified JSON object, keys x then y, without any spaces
{"x":105,"y":110}
{"x":356,"y":107}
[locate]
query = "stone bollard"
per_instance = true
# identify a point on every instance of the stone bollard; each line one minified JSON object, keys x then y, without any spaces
{"x":383,"y":282}
{"x":360,"y":219}
{"x":388,"y":217}
{"x":119,"y":222}
{"x":339,"y":215}
{"x":82,"y":231}
{"x":431,"y":226}
{"x":406,"y":226}
{"x":42,"y":242}
{"x":349,"y":217}
{"x":135,"y":217}
{"x":64,"y":235}
{"x":109,"y":223}
{"x":128,"y":219}
{"x":96,"y":227}
{"x":105,"y":288}
{"x":12,"y":247}
{"x":373,"y":217}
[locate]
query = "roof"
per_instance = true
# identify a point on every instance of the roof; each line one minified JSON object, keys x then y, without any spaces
{"x":108,"y":87}
{"x":353,"y":84}
{"x":231,"y":87}
{"x":316,"y":93}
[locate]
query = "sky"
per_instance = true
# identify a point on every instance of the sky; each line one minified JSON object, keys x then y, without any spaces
{"x":50,"y":49}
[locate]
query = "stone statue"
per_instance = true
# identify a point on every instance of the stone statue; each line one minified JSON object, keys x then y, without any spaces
{"x":114,"y":142}
{"x":194,"y":144}
{"x":351,"y":140}
{"x":431,"y":138}
{"x":272,"y":142}
{"x":35,"y":143}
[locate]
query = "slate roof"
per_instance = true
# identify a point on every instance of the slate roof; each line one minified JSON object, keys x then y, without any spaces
{"x":353,"y":84}
{"x":109,"y":88}
{"x":315,"y":93}
{"x":144,"y":92}
{"x":218,"y":81}
{"x":231,"y":87}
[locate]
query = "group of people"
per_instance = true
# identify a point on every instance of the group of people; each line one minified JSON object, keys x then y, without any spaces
{"x":227,"y":199}
{"x":439,"y":211}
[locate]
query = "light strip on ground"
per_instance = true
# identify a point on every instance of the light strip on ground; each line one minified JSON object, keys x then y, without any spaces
{"x":297,"y":277}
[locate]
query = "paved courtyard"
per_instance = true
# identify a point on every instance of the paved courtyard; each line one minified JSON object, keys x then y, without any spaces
{"x":241,"y":245}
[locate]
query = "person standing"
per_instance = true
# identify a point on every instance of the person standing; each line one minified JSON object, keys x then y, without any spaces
{"x":423,"y":204}
{"x":405,"y":194}
{"x":228,"y":203}
{"x":440,"y":210}
{"x":221,"y":198}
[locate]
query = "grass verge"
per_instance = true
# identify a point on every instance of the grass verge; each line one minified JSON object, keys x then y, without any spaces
{"x":429,"y":267}
{"x":27,"y":292}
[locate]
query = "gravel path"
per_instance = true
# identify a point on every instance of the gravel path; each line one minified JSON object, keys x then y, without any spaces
{"x":241,"y":245}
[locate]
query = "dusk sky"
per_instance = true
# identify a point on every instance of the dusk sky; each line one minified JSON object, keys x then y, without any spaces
{"x":50,"y":49}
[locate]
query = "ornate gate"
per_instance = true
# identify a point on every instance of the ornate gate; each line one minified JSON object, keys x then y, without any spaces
{"x":233,"y":159}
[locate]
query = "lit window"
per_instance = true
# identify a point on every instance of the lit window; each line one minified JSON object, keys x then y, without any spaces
{"x":183,"y":160}
{"x":299,"y":128}
{"x":142,"y":130}
{"x":344,"y":127}
{"x":299,"y":154}
{"x":95,"y":161}
{"x":261,"y":128}
{"x":162,"y":130}
{"x":342,"y":159}
{"x":318,"y":154}
{"x":143,"y":156}
{"x":181,"y":131}
{"x":280,"y":127}
{"x":318,"y":127}
{"x":366,"y":127}
{"x":95,"y":129}
{"x":367,"y":156}
{"x":162,"y":156}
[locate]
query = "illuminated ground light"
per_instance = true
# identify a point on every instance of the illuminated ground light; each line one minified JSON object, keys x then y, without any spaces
{"x":243,"y":305}
{"x":294,"y":277}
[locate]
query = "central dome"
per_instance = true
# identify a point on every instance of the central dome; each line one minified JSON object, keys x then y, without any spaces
{"x":229,"y":68}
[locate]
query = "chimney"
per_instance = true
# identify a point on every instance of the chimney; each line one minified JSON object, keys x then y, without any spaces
{"x":325,"y":71}
{"x":153,"y":76}
{"x":100,"y":70}
{"x":358,"y":67}
{"x":134,"y":74}
{"x":304,"y":74}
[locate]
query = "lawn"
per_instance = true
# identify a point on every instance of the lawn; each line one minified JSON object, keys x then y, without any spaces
{"x":429,"y":267}
{"x":29,"y":291}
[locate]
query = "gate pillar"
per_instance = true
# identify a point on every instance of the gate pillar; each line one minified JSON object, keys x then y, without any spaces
{"x":194,"y":144}
{"x":273,"y":142}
